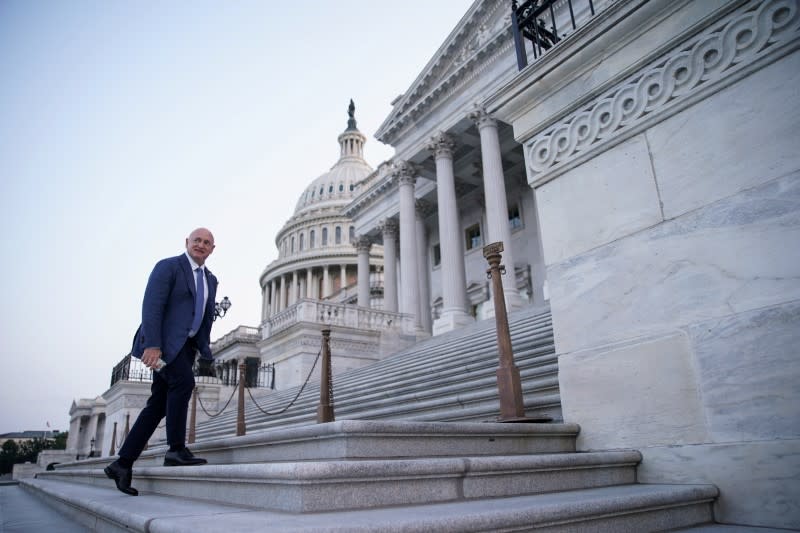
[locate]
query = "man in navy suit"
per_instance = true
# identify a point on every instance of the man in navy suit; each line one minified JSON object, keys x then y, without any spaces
{"x":177,"y":313}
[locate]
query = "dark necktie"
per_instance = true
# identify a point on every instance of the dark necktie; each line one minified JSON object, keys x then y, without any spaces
{"x":198,"y":301}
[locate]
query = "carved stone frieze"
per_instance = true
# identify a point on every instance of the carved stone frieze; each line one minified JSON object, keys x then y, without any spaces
{"x":727,"y":47}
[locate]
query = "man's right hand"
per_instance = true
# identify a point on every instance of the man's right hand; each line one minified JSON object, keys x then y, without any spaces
{"x":151,"y":356}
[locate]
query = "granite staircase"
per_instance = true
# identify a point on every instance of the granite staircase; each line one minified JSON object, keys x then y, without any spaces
{"x":411,"y":450}
{"x":443,"y":379}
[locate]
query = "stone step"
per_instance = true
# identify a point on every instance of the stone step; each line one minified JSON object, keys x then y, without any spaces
{"x":360,"y":439}
{"x":616,"y":509}
{"x":316,"y":486}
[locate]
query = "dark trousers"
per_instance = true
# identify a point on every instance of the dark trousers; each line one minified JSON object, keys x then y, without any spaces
{"x":169,"y":396}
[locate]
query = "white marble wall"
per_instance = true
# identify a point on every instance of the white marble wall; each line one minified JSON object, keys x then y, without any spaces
{"x":673,"y":264}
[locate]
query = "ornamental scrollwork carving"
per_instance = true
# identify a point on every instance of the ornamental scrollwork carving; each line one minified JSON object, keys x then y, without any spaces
{"x":740,"y":39}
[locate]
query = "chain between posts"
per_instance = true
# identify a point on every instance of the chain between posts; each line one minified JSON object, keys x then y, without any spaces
{"x":302,"y":387}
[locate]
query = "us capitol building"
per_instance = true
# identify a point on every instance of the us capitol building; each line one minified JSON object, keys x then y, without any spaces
{"x":639,"y":161}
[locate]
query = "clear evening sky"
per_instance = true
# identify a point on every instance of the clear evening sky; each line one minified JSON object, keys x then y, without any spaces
{"x":125,"y":124}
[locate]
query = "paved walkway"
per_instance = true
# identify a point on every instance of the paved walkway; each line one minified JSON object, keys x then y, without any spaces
{"x":22,"y":512}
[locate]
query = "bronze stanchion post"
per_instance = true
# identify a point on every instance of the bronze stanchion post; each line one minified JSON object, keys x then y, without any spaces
{"x":193,"y":418}
{"x":325,"y":408}
{"x":512,"y":407}
{"x":241,"y":429}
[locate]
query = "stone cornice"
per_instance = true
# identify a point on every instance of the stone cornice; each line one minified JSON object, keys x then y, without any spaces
{"x":464,"y":54}
{"x":378,"y":189}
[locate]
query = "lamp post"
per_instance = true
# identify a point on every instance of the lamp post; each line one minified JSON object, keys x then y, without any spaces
{"x":220,"y":308}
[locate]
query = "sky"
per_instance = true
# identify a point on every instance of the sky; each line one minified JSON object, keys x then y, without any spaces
{"x":126,"y":124}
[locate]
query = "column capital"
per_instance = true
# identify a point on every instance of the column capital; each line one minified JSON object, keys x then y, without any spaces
{"x":363,"y":244}
{"x":423,"y":207}
{"x":481,"y":118}
{"x":404,"y":171}
{"x":441,"y":145}
{"x":389,"y":227}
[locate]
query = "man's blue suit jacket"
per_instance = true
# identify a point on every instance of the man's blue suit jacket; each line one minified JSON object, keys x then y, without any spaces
{"x":168,"y":310}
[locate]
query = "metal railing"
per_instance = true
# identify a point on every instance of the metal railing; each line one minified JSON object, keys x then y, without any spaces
{"x":257,"y":375}
{"x":130,"y":369}
{"x":544,"y":23}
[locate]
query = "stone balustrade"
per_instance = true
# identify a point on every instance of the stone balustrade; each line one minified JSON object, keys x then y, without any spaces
{"x":246,"y":334}
{"x":335,"y":314}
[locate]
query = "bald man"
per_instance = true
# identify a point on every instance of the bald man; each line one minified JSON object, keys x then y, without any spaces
{"x":177,"y":313}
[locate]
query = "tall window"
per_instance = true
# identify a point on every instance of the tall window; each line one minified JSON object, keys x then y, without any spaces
{"x":352,"y":233}
{"x":324,"y":236}
{"x":292,"y":243}
{"x":436,"y":254}
{"x":514,"y":218}
{"x":302,"y":241}
{"x":311,"y":239}
{"x":338,"y":235}
{"x":472,"y":236}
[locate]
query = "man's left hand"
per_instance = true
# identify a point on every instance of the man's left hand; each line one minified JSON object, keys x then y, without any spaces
{"x":205,"y":368}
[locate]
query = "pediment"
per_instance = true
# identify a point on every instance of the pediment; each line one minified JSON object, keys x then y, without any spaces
{"x":461,"y":53}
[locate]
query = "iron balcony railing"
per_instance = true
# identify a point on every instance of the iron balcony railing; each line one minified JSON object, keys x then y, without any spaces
{"x":256,"y":374}
{"x":543,"y":23}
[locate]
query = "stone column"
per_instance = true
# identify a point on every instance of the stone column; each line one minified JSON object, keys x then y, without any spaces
{"x":454,"y":292}
{"x":326,"y":282}
{"x":363,"y":246}
{"x":423,"y":268}
{"x":283,"y":303}
{"x":406,"y":177}
{"x":308,"y":283}
{"x":293,"y":296}
{"x":342,"y":276}
{"x":494,"y":189}
{"x":390,"y":265}
{"x":274,"y":302}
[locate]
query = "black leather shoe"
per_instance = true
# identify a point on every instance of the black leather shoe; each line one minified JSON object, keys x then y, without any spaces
{"x":122,"y":477}
{"x":183,"y":458}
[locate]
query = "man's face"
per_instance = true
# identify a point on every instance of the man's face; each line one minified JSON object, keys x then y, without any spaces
{"x":199,"y":245}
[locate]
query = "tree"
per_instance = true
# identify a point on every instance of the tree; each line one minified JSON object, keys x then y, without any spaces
{"x":60,"y":441}
{"x":8,"y":456}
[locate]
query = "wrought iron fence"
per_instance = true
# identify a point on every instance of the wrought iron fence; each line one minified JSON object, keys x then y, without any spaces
{"x":544,"y":23}
{"x":130,"y":369}
{"x":256,"y":374}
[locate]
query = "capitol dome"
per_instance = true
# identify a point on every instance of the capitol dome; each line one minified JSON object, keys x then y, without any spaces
{"x":317,"y":256}
{"x":336,"y":188}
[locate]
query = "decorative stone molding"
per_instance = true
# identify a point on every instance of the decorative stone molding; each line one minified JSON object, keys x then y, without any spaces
{"x":363,"y":244}
{"x":442,"y":145}
{"x":722,"y":50}
{"x":405,"y":172}
{"x":483,"y":39}
{"x":389,"y":227}
{"x":481,"y":118}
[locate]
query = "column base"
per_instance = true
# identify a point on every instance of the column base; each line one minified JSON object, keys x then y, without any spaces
{"x":450,"y":320}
